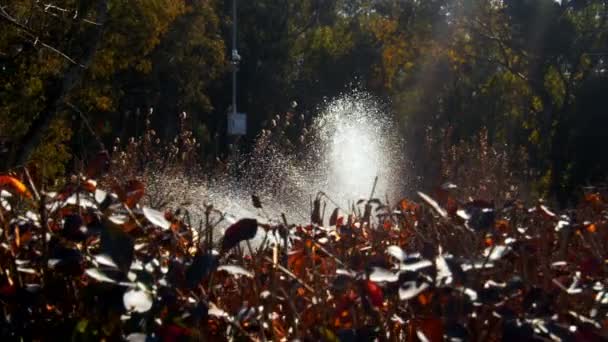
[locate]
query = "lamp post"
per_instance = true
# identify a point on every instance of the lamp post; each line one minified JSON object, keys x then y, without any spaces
{"x":235,"y":58}
{"x":237,"y":122}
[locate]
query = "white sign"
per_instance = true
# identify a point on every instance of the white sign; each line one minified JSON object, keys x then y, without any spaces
{"x":237,"y":124}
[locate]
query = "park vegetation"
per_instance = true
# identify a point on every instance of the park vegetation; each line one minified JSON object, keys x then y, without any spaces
{"x":532,"y":74}
{"x":109,"y":109}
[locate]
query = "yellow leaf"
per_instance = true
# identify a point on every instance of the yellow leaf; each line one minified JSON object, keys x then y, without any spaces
{"x":15,"y":185}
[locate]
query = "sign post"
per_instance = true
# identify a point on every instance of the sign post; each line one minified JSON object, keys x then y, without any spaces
{"x":237,"y":124}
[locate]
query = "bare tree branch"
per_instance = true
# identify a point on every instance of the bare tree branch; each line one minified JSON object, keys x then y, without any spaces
{"x":36,"y":40}
{"x":58,"y":12}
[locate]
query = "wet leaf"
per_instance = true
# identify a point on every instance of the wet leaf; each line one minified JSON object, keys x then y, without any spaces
{"x":136,"y":337}
{"x":380,"y":275}
{"x":411,"y":289}
{"x":496,"y":252}
{"x":396,"y":252}
{"x":433,"y":204}
{"x":4,"y":203}
{"x":98,"y":275}
{"x":235,"y":270}
{"x":217,"y":312}
{"x":156,"y":218}
{"x":100,"y":196}
{"x":415,"y":264}
{"x":444,"y":274}
{"x":546,"y":211}
{"x":244,"y":229}
{"x":105,"y":260}
{"x":137,"y":300}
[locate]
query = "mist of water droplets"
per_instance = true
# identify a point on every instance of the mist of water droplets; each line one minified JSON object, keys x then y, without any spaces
{"x":349,"y":143}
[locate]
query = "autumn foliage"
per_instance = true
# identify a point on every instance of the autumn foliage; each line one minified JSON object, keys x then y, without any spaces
{"x":429,"y":268}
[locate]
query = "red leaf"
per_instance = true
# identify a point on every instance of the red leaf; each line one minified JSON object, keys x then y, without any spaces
{"x":340,"y":221}
{"x":131,"y":193}
{"x":374,"y":292}
{"x":430,"y":328}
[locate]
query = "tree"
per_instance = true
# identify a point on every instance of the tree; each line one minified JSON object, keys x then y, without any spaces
{"x":48,"y":99}
{"x":68,"y":44}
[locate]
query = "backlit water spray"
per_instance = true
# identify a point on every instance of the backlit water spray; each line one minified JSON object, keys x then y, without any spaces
{"x":348,"y":144}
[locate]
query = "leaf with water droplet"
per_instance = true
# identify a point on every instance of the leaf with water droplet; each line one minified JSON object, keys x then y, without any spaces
{"x":444,"y":274}
{"x":217,"y":312}
{"x":380,"y":275}
{"x":348,"y":273}
{"x":496,"y":252}
{"x":96,"y":274}
{"x":414,"y":264}
{"x":105,"y":260}
{"x":235,"y":270}
{"x":433,"y":204}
